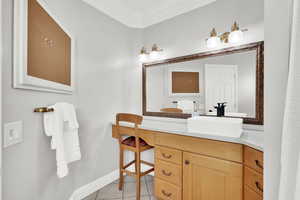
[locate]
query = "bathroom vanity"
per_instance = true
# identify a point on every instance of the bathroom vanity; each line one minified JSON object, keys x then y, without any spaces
{"x":200,"y":156}
{"x":196,"y":167}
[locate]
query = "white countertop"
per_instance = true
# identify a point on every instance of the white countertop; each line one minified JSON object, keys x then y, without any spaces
{"x":252,"y":135}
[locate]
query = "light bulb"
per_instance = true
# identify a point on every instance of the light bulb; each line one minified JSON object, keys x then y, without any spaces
{"x":143,"y":57}
{"x":154,"y":55}
{"x":213,"y":42}
{"x":235,"y":36}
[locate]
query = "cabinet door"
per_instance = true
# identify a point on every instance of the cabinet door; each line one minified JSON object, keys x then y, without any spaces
{"x":207,"y":178}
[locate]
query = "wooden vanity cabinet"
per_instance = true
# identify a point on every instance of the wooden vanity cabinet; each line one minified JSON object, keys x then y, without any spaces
{"x":188,"y":168}
{"x":168,"y":173}
{"x":207,"y":178}
{"x":253,"y":174}
{"x":197,"y":169}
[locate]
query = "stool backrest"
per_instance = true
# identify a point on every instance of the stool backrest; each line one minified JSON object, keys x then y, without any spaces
{"x":171,"y":110}
{"x":131,"y":118}
{"x":127,"y":117}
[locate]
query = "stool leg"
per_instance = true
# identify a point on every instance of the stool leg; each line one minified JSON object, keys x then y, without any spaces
{"x":138,"y":176}
{"x":136,"y":165}
{"x":121,"y":180}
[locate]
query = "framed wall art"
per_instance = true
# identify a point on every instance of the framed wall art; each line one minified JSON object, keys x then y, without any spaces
{"x":43,"y":49}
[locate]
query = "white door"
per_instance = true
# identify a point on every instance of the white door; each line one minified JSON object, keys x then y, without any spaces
{"x":221,"y":86}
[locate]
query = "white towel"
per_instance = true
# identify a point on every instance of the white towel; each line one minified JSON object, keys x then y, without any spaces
{"x":62,"y":126}
{"x":186,"y":105}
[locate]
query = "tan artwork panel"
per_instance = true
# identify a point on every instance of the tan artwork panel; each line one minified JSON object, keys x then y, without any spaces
{"x":49,"y":47}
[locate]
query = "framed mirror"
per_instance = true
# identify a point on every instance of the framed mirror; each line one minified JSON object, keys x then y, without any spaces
{"x":194,"y":84}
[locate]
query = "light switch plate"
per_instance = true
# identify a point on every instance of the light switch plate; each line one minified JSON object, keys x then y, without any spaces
{"x":13,"y":133}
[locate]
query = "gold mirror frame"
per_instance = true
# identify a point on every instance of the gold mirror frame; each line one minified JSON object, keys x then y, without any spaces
{"x":257,"y":46}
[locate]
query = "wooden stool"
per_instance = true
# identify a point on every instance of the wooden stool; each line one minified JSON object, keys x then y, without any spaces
{"x":136,"y":145}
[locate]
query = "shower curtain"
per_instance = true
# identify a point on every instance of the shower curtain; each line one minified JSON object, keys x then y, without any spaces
{"x":290,"y":155}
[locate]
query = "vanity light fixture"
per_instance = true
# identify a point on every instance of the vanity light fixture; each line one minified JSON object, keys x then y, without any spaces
{"x":143,"y":54}
{"x":154,"y":54}
{"x":214,"y":40}
{"x":236,"y":35}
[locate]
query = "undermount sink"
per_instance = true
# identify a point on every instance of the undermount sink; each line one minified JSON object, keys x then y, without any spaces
{"x":217,"y":126}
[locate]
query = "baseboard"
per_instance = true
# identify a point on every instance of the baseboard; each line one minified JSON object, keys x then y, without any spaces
{"x":94,"y":186}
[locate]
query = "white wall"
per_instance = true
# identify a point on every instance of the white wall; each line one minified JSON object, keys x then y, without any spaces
{"x":277,"y":20}
{"x":186,"y":34}
{"x":105,"y":58}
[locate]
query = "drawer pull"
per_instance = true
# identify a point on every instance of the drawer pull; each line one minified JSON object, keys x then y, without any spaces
{"x":258,"y":186}
{"x":258,"y":164}
{"x":166,"y":173}
{"x":166,"y":156}
{"x":187,"y":162}
{"x":165,"y":193}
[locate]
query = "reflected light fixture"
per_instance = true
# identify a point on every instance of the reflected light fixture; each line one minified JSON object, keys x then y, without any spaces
{"x":214,"y":40}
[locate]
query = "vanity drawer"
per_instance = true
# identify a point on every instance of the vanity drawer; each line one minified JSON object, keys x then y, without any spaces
{"x":169,"y":172}
{"x":217,"y":149}
{"x":249,"y":194}
{"x":168,"y":154}
{"x":254,"y":180}
{"x":254,"y":159}
{"x":166,"y":191}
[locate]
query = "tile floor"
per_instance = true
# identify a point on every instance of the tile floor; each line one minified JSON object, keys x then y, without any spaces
{"x":111,"y":191}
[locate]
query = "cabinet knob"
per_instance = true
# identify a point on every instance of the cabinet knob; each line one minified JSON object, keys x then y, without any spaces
{"x":187,"y":162}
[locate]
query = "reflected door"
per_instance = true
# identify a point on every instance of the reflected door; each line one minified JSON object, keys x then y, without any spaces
{"x":221,"y":86}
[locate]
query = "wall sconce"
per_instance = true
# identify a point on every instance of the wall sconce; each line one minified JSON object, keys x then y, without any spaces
{"x":143,"y":54}
{"x":236,"y":35}
{"x":154,"y":54}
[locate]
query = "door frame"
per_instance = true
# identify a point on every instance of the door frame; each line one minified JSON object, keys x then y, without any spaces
{"x":1,"y":65}
{"x":235,"y":67}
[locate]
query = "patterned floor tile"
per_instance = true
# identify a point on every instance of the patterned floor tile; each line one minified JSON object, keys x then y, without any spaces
{"x":130,"y":190}
{"x":110,"y":191}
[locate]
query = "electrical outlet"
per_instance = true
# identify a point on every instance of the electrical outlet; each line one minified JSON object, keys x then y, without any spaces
{"x":13,"y":133}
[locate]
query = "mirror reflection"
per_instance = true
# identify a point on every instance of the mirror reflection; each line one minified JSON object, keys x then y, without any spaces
{"x":203,"y":85}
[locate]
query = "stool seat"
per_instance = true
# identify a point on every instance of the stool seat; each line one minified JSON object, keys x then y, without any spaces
{"x":130,"y":141}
